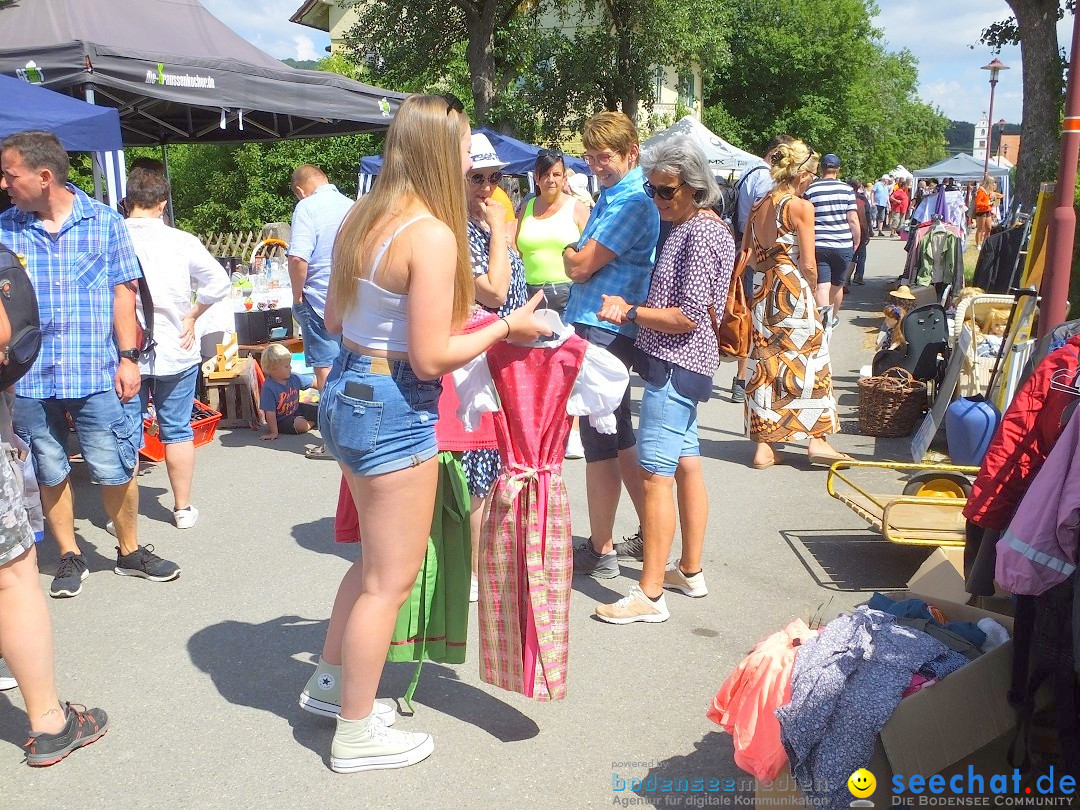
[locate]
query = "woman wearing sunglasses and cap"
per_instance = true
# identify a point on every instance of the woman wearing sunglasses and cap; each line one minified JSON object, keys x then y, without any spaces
{"x":676,"y":355}
{"x":499,"y":277}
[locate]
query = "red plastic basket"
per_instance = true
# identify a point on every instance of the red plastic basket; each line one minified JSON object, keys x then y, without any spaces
{"x":204,"y":426}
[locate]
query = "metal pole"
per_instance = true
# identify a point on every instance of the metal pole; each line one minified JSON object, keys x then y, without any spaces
{"x":170,"y":215}
{"x":94,"y":167}
{"x":990,"y":121}
{"x":1059,"y":243}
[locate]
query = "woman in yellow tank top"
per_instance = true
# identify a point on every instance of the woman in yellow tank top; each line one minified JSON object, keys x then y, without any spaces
{"x":549,"y":222}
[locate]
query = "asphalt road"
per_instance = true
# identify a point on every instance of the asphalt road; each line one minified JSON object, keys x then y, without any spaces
{"x":200,"y":676}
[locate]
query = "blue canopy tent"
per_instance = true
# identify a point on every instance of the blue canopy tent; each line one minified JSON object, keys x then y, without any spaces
{"x":520,"y":157}
{"x":81,"y":127}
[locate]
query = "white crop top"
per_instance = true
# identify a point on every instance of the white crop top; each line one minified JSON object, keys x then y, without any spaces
{"x":378,"y":320}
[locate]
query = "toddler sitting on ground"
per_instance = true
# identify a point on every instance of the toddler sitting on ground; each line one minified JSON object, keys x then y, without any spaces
{"x":280,"y":397}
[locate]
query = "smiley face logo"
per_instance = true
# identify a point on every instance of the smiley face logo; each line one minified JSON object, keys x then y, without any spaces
{"x":862,"y":783}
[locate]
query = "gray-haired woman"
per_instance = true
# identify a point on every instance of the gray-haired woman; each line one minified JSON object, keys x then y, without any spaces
{"x":677,"y":357}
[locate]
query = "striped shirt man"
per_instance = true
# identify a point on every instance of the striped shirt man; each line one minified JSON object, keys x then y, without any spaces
{"x":832,"y":200}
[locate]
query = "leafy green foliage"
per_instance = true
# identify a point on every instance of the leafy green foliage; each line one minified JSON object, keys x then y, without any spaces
{"x":827,"y":79}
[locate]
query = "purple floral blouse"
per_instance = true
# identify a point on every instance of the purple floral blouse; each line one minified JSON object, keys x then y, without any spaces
{"x":693,"y":273}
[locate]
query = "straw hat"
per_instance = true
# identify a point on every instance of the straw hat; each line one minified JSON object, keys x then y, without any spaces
{"x":902,"y":293}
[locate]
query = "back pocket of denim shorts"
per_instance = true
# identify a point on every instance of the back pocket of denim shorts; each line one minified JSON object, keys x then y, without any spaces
{"x":355,"y":423}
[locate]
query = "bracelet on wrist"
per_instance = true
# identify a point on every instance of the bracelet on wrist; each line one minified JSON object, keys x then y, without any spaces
{"x":507,"y":327}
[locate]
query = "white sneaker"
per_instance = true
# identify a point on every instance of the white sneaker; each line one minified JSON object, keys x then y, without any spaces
{"x":574,"y":448}
{"x":368,"y":745}
{"x":322,"y":695}
{"x":634,"y":607}
{"x":7,"y":680}
{"x":185,"y":518}
{"x":676,"y":580}
{"x":474,"y":590}
{"x":110,"y":527}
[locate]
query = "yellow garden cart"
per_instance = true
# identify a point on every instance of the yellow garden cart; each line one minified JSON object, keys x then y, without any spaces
{"x":929,"y":512}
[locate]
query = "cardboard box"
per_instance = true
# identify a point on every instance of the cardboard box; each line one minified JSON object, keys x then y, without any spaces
{"x":947,"y":722}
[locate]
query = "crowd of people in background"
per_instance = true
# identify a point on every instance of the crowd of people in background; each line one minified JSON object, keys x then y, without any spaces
{"x":387,"y":290}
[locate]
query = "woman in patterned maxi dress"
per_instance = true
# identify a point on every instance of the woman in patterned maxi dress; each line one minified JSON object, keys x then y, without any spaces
{"x":789,"y":393}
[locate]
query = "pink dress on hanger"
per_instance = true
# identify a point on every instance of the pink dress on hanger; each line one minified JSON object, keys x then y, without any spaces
{"x":526,"y":551}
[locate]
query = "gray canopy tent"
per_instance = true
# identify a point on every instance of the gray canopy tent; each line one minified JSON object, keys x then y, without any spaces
{"x":963,"y":168}
{"x":177,"y":74}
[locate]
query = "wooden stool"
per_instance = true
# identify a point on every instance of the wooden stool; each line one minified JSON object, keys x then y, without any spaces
{"x":237,"y":398}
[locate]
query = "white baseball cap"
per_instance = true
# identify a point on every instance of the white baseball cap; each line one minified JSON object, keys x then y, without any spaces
{"x":483,"y":153}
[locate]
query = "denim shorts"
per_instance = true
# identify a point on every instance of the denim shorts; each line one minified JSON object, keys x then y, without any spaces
{"x":392,"y":429}
{"x":604,"y":446}
{"x":110,"y":435}
{"x":832,"y":264}
{"x":667,"y":429}
{"x":555,"y":295}
{"x":173,"y":398}
{"x":320,"y":347}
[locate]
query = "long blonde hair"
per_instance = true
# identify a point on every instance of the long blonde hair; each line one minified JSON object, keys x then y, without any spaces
{"x":422,"y":160}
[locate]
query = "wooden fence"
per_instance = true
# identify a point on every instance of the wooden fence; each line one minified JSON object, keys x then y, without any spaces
{"x":241,"y":244}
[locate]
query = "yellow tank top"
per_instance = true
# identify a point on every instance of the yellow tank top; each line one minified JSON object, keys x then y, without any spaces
{"x":541,"y":242}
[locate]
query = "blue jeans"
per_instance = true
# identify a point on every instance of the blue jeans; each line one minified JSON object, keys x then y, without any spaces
{"x":110,"y":435}
{"x":173,"y":399}
{"x":386,"y":428}
{"x":667,"y":429}
{"x":320,"y":347}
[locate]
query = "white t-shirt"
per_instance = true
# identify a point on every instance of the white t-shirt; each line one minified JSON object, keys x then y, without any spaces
{"x":171,"y":260}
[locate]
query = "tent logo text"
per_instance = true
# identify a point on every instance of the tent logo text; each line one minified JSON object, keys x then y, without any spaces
{"x":160,"y":77}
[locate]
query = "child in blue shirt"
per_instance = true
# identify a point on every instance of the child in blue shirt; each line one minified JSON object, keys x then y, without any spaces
{"x":280,"y":397}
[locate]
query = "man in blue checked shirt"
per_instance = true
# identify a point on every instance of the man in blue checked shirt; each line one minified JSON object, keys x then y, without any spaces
{"x":80,"y":258}
{"x":614,"y":256}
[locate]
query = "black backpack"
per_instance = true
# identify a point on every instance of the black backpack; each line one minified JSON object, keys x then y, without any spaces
{"x":20,"y":303}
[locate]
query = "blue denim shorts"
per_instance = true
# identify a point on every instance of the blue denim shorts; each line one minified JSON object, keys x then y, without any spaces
{"x":110,"y":435}
{"x":320,"y":347}
{"x":173,"y":398}
{"x":667,"y":429}
{"x":388,"y":429}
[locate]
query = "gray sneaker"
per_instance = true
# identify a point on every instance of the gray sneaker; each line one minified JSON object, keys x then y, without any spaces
{"x":69,"y":576}
{"x":738,"y":390}
{"x":631,"y":548}
{"x":7,"y":680}
{"x":597,"y":566}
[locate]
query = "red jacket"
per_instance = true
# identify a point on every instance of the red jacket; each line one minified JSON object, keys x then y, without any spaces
{"x":1025,"y":437}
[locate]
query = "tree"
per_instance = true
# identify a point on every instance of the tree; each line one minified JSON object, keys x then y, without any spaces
{"x":1034,"y":28}
{"x":414,"y":45}
{"x":825,"y":78}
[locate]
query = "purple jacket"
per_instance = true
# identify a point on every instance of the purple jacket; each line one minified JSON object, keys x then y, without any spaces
{"x":1039,"y":549}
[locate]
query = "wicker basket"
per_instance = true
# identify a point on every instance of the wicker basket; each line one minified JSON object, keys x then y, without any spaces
{"x":891,"y":403}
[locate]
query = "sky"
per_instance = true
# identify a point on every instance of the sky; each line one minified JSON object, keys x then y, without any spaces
{"x":946,"y":46}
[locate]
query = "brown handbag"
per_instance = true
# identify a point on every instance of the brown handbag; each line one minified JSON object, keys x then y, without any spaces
{"x":734,"y":328}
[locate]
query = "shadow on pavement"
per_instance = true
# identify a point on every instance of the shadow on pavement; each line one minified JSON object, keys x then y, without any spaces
{"x":318,"y":536}
{"x":840,"y":560}
{"x":266,"y":665}
{"x":706,"y":775}
{"x":14,"y":725}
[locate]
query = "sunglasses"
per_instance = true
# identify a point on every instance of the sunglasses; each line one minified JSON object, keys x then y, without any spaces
{"x":453,"y":103}
{"x":812,"y":153}
{"x":479,"y":178}
{"x":663,"y":192}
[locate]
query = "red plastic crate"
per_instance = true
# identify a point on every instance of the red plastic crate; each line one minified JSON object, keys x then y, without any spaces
{"x":204,"y":428}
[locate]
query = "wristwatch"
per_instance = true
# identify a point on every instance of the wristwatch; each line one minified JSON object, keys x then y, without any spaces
{"x":631,"y":314}
{"x":131,"y":354}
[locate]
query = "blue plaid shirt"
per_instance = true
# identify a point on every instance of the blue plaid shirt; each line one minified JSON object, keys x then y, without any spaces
{"x":74,"y":274}
{"x":626,"y":222}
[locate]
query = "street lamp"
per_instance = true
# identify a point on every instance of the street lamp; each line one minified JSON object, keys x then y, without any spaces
{"x":995,"y":67}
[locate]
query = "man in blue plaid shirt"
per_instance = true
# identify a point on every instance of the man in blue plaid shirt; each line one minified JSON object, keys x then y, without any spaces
{"x":82,"y":263}
{"x":614,"y":256}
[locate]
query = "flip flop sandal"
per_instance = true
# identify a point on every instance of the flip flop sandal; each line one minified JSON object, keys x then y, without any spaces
{"x":319,"y":452}
{"x":828,"y":459}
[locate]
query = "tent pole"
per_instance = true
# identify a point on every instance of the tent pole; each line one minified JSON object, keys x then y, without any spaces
{"x":95,"y":168}
{"x":170,"y":215}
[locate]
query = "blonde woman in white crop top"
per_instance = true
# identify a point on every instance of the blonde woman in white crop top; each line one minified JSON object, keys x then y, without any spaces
{"x":401,"y":284}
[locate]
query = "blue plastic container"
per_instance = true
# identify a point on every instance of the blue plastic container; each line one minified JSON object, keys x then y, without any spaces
{"x":970,"y":423}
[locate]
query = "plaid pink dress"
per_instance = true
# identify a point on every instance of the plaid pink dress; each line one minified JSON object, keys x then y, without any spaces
{"x":526,"y":551}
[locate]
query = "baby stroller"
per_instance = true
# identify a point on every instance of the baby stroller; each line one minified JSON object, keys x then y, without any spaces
{"x":925,"y":353}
